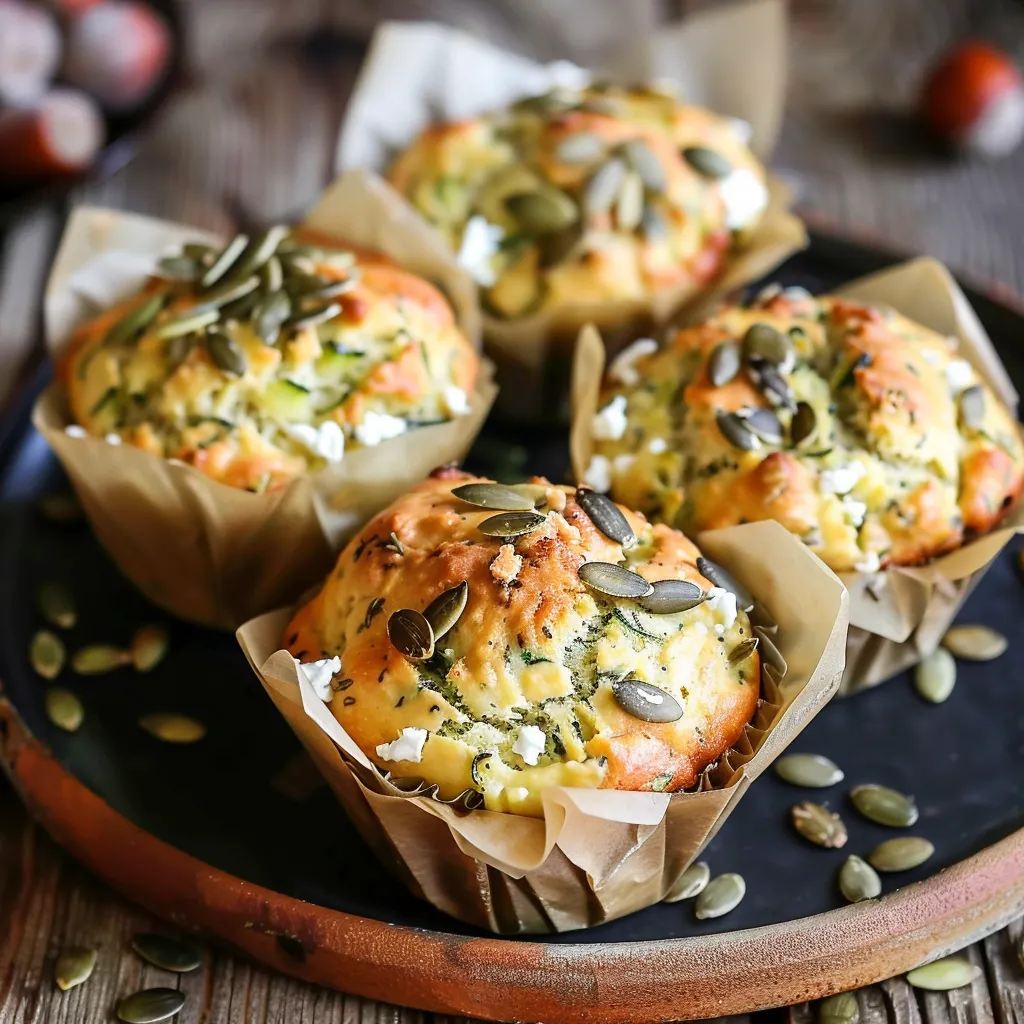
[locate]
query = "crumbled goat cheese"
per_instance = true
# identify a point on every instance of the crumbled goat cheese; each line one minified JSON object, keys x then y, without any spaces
{"x":701,"y":629}
{"x":408,"y":746}
{"x":112,"y":438}
{"x":455,"y":401}
{"x":854,"y":510}
{"x":744,"y":196}
{"x":379,"y":426}
{"x":743,"y":130}
{"x":722,"y":602}
{"x":623,"y":367}
{"x":842,"y":479}
{"x":599,"y":474}
{"x":505,"y":565}
{"x":320,"y":673}
{"x":480,"y":242}
{"x":74,"y":430}
{"x":623,"y":463}
{"x":327,"y":440}
{"x":657,"y":445}
{"x":869,"y":563}
{"x":609,"y":423}
{"x":959,"y":375}
{"x":530,"y":743}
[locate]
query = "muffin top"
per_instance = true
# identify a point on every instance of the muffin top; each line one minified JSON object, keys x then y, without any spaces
{"x":586,"y":196}
{"x":862,"y":432}
{"x":480,"y":637}
{"x":268,"y":359}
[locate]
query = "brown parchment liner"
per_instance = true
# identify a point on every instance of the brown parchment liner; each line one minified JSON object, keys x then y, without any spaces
{"x":205,"y":551}
{"x":596,"y":854}
{"x":899,"y":615}
{"x":731,"y":60}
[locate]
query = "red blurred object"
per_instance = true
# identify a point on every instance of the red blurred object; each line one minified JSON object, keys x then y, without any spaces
{"x":117,"y":51}
{"x":61,"y":135}
{"x":30,"y":46}
{"x":974,"y":98}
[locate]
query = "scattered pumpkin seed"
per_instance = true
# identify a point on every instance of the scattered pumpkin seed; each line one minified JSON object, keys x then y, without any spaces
{"x":762,"y":341}
{"x":167,"y":953}
{"x":670,"y":596}
{"x":901,"y":853}
{"x":721,"y":577}
{"x":935,"y":676}
{"x":223,"y":263}
{"x":724,"y":363}
{"x":411,"y":634}
{"x":558,"y":246}
{"x":707,"y":162}
{"x":720,"y":895}
{"x":773,"y":385}
{"x":319,"y":315}
{"x":57,"y":605}
{"x":200,"y":252}
{"x":812,"y":771}
{"x":804,"y":425}
{"x":614,"y":580}
{"x":135,"y":320}
{"x":858,"y":880}
{"x":884,"y":806}
{"x":74,"y":965}
{"x":272,"y":274}
{"x":972,"y":406}
{"x":975,"y":643}
{"x":580,"y":148}
{"x":444,"y":611}
{"x":259,"y":251}
{"x":765,"y":424}
{"x":511,"y":524}
{"x":495,"y":496}
{"x":179,"y":268}
{"x":735,"y":430}
{"x":60,"y":508}
{"x":645,"y":163}
{"x":542,"y":211}
{"x":227,"y":294}
{"x":47,"y":654}
{"x":96,"y":659}
{"x":629,"y":204}
{"x":603,"y":187}
{"x":150,"y":1005}
{"x":270,"y":314}
{"x":942,"y":975}
{"x":742,"y":651}
{"x":171,"y":727}
{"x":226,"y":355}
{"x":645,"y":701}
{"x":187,"y":323}
{"x":692,"y":882}
{"x":839,"y":1009}
{"x":63,"y":708}
{"x":606,"y":516}
{"x":148,"y":647}
{"x":819,"y":825}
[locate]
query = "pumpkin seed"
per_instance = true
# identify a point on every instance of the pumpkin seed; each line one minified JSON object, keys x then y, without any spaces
{"x":259,"y":251}
{"x":643,"y":160}
{"x":762,"y":341}
{"x":812,"y":771}
{"x":444,"y":611}
{"x":603,"y":187}
{"x":60,"y":508}
{"x":614,"y":580}
{"x":645,"y":701}
{"x":332,"y":289}
{"x":720,"y":577}
{"x":167,"y":953}
{"x":606,"y":516}
{"x":150,"y":1005}
{"x":225,"y":353}
{"x":74,"y":965}
{"x":223,"y":263}
{"x":228,"y":294}
{"x":707,"y":162}
{"x":559,"y":246}
{"x":179,"y":268}
{"x":670,"y":596}
{"x":654,"y":223}
{"x":942,"y":975}
{"x":542,"y":211}
{"x":935,"y":676}
{"x":901,"y":853}
{"x":884,"y":806}
{"x":187,"y":323}
{"x":975,"y":643}
{"x":724,"y":363}
{"x":57,"y":605}
{"x":840,"y":1009}
{"x":629,"y":205}
{"x":819,"y":825}
{"x":773,"y":385}
{"x":735,"y":430}
{"x":804,"y":425}
{"x":177,"y":349}
{"x":311,"y":317}
{"x":270,"y":313}
{"x":135,"y":320}
{"x":63,"y":708}
{"x":272,"y":275}
{"x":742,"y":651}
{"x":46,"y":654}
{"x":495,"y":496}
{"x":580,"y":148}
{"x":972,"y":406}
{"x":858,"y":880}
{"x":148,"y":647}
{"x":171,"y":727}
{"x":765,"y":424}
{"x":200,"y":252}
{"x":720,"y":895}
{"x":96,"y":659}
{"x":692,"y":882}
{"x":511,"y":524}
{"x":411,"y":634}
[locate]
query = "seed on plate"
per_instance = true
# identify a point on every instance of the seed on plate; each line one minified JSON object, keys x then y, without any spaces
{"x":272,"y":276}
{"x":542,"y":211}
{"x":645,"y":162}
{"x":187,"y":323}
{"x":74,"y":965}
{"x":606,"y":516}
{"x":839,"y":1009}
{"x":511,"y":524}
{"x":765,"y":424}
{"x":762,"y":341}
{"x":645,"y":701}
{"x":46,"y":654}
{"x":148,"y":647}
{"x":332,"y":289}
{"x":225,"y":353}
{"x":972,"y":406}
{"x":444,"y":611}
{"x":310,"y":317}
{"x":167,"y":953}
{"x":901,"y":853}
{"x":858,"y":880}
{"x":804,"y":425}
{"x":942,"y":975}
{"x":63,"y":708}
{"x":742,"y":651}
{"x":812,"y":771}
{"x":171,"y":727}
{"x":495,"y":496}
{"x":975,"y":643}
{"x":150,"y":1005}
{"x":411,"y":634}
{"x":603,"y":187}
{"x":629,"y":204}
{"x":259,"y":251}
{"x":935,"y":676}
{"x":223,"y":263}
{"x":200,"y":252}
{"x":735,"y":430}
{"x":96,"y":659}
{"x":707,"y":162}
{"x":270,"y":314}
{"x":720,"y":895}
{"x":580,"y":148}
{"x":884,"y":806}
{"x":819,"y":825}
{"x":179,"y":268}
{"x":773,"y":385}
{"x":60,"y":508}
{"x":57,"y":605}
{"x":614,"y":580}
{"x":692,"y":882}
{"x":671,"y":596}
{"x":720,"y":577}
{"x":724,"y":363}
{"x":135,"y":320}
{"x":537,"y":493}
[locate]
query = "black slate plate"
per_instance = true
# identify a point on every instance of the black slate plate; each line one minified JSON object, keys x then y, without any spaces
{"x":962,"y":759}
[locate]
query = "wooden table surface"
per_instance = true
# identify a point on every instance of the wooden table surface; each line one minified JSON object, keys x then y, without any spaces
{"x":252,"y":135}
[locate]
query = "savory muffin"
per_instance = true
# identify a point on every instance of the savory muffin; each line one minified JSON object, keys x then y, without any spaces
{"x":268,"y":359}
{"x":481,"y":637}
{"x":862,"y":432}
{"x":586,"y":196}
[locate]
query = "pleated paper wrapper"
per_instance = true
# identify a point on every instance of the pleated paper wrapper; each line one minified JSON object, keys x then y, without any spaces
{"x":596,"y":854}
{"x":731,"y":60}
{"x":206,"y":552}
{"x":898,"y":615}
